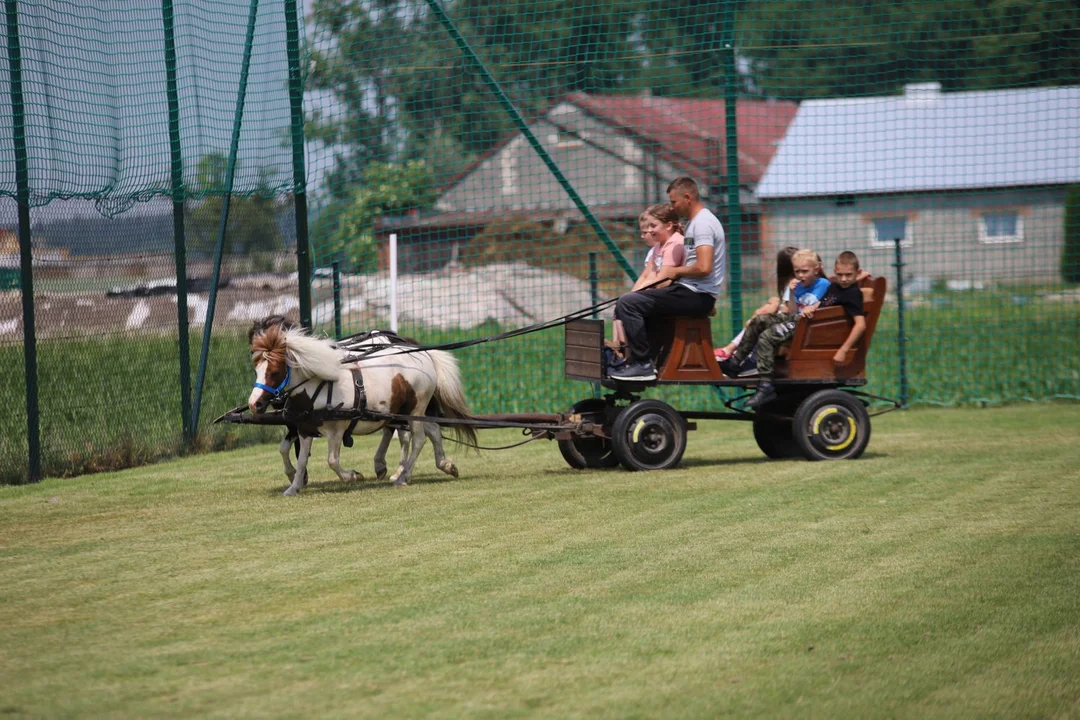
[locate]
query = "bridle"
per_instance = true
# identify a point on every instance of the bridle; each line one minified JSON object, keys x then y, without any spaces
{"x":276,"y":390}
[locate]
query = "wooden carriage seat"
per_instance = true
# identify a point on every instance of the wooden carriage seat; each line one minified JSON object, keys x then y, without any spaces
{"x":817,"y":339}
{"x":691,"y":356}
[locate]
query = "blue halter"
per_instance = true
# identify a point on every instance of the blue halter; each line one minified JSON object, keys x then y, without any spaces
{"x":277,"y":389}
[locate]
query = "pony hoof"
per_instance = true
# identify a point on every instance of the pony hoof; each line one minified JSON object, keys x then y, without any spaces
{"x":401,"y":482}
{"x":291,"y":491}
{"x":449,"y":468}
{"x":355,"y":476}
{"x":380,"y":474}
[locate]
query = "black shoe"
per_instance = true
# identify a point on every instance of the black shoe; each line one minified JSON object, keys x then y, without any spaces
{"x":638,"y":371}
{"x":765,"y":394}
{"x":730,"y":367}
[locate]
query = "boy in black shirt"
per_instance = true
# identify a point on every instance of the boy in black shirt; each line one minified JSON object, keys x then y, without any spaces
{"x":844,"y":291}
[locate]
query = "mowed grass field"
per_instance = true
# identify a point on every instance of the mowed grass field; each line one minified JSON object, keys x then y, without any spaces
{"x":939,"y":576}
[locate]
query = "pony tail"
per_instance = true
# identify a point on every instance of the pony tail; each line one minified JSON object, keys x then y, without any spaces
{"x":451,"y":396}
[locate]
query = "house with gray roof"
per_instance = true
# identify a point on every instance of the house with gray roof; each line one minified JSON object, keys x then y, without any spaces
{"x":973,"y":183}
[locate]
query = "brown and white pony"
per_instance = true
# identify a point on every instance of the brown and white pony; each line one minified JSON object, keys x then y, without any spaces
{"x":288,"y":360}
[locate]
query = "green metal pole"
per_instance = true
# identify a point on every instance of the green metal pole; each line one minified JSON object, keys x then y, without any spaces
{"x":230,"y":172}
{"x":26,"y":256}
{"x":734,"y":214}
{"x":523,"y":126}
{"x":179,"y":194}
{"x":901,"y":338}
{"x":296,"y":112}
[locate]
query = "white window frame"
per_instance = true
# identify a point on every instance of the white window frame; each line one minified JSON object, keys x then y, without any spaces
{"x":908,"y":240}
{"x":986,"y":238}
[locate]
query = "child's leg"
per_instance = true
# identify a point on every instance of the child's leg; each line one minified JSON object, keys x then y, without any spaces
{"x":618,"y":336}
{"x":770,"y":342}
{"x":750,"y":335}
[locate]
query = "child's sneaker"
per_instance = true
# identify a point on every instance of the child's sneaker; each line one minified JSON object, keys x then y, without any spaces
{"x":721,"y":354}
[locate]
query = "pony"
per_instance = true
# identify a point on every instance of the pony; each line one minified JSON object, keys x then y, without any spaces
{"x":313,"y":373}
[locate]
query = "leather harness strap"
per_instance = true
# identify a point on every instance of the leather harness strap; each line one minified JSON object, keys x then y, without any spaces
{"x":359,"y":404}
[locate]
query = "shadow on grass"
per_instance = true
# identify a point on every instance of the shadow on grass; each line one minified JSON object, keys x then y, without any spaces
{"x":330,"y":487}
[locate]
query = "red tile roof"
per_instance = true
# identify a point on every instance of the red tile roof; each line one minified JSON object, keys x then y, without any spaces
{"x":691,"y":131}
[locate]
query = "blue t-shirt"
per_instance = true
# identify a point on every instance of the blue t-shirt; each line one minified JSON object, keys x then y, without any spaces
{"x":809,"y":294}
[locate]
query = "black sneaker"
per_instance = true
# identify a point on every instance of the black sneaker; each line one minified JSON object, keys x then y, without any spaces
{"x":638,"y":371}
{"x":765,"y":394}
{"x":730,"y":367}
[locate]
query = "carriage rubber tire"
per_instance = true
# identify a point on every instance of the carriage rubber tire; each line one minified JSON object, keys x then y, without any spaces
{"x":831,"y":425}
{"x":772,"y":427}
{"x":649,"y":435}
{"x":774,"y":437}
{"x":588,"y":453}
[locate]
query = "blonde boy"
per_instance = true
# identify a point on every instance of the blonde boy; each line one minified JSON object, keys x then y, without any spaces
{"x":766,"y":333}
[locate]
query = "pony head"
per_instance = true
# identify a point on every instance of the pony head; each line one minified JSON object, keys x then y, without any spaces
{"x":269,"y":356}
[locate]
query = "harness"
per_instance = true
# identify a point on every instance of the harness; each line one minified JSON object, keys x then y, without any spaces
{"x":280,"y":387}
{"x":298,"y":411}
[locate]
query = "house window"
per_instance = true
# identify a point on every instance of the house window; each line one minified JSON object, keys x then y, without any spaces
{"x":884,"y":230}
{"x":1001,"y":227}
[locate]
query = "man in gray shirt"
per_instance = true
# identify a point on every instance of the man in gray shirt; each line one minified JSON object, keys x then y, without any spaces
{"x":692,"y":288}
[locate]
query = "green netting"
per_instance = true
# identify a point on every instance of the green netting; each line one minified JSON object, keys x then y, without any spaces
{"x":953,"y":126}
{"x":99,"y":159}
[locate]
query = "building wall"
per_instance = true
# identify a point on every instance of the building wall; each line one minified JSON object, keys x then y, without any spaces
{"x":944,"y":233}
{"x":600,"y":166}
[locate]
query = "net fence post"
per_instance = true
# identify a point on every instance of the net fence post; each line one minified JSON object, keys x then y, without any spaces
{"x":901,"y":349}
{"x":594,"y":298}
{"x":26,"y":255}
{"x":230,"y":172}
{"x":296,"y":119}
{"x":335,"y":269}
{"x":731,"y":136}
{"x":179,"y":236}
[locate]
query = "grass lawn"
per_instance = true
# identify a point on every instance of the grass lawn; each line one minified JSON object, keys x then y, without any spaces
{"x":938,"y":576}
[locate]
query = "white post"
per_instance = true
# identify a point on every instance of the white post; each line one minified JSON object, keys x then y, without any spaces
{"x":393,"y":282}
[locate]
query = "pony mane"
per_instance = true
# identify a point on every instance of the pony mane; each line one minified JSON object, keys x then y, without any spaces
{"x":317,"y":357}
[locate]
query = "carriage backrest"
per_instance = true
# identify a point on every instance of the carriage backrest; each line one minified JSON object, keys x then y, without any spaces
{"x":817,"y":339}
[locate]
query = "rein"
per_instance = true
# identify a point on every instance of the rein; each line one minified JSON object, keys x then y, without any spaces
{"x":362,"y":352}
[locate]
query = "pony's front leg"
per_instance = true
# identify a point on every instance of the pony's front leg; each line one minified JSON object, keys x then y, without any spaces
{"x":442,"y":462}
{"x":300,"y":478}
{"x":380,"y":453}
{"x":416,"y":431}
{"x":334,"y":437}
{"x":285,"y":448}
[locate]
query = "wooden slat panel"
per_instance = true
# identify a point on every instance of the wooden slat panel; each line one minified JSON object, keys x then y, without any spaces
{"x":590,"y":371}
{"x":583,"y":349}
{"x":583,"y":354}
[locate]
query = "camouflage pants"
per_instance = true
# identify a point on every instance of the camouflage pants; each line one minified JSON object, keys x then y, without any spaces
{"x":768,"y":333}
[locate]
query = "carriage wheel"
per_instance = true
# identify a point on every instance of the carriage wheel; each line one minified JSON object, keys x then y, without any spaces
{"x":773,"y":428}
{"x":588,"y":452}
{"x":775,"y":439}
{"x":831,"y":425}
{"x":649,"y":435}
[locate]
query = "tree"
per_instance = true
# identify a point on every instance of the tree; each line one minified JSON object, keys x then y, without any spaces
{"x":801,"y":49}
{"x":345,"y":231}
{"x":253,"y":218}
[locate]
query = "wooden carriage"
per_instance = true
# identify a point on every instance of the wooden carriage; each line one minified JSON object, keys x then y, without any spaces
{"x":817,"y":413}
